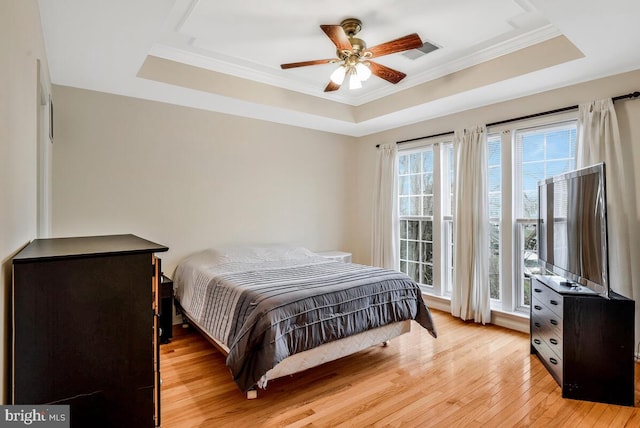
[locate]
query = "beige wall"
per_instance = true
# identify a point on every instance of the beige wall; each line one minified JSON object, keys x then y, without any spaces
{"x":21,"y":46}
{"x":191,"y":179}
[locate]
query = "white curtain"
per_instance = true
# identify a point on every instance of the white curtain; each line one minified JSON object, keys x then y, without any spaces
{"x":599,"y":141}
{"x":385,"y":209}
{"x":470,"y":298}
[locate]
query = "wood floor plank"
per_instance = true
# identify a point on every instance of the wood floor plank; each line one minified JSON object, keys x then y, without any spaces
{"x":471,"y":375}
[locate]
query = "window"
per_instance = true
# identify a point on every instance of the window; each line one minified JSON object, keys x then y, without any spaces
{"x":415,"y":181}
{"x":519,"y":156}
{"x":541,"y":152}
{"x":415,"y":173}
{"x":494,"y":171}
{"x":425,"y":186}
{"x":416,"y":250}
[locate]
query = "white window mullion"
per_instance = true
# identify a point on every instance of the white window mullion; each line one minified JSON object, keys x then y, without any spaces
{"x":446,"y":219}
{"x":438,"y":248}
{"x":517,"y":264}
{"x":507,"y":223}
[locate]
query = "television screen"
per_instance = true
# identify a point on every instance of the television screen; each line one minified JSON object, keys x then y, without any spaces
{"x":572,"y":227}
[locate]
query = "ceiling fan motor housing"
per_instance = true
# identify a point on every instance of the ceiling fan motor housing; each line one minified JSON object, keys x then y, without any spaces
{"x":351,"y":26}
{"x":358,"y":47}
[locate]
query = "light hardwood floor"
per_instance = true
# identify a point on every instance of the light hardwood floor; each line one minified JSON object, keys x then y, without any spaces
{"x":471,"y":375}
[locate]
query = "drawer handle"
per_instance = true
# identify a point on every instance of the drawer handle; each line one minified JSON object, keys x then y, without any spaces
{"x":537,"y":290}
{"x":554,"y":322}
{"x":536,"y":341}
{"x":553,"y":341}
{"x":554,"y":302}
{"x":539,"y":308}
{"x":553,"y":361}
{"x":537,"y":324}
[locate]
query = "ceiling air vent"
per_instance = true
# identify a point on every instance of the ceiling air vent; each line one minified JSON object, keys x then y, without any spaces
{"x":421,"y":51}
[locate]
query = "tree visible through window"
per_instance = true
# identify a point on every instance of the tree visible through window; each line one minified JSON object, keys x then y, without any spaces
{"x":416,"y":193}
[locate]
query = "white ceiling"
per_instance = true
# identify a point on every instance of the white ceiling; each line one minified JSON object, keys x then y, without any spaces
{"x":108,"y":46}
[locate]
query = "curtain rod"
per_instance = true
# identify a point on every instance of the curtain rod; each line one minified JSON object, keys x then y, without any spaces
{"x":635,"y":94}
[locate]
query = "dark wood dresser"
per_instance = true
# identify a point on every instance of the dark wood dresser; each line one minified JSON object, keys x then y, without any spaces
{"x":85,"y":329}
{"x":584,"y":340}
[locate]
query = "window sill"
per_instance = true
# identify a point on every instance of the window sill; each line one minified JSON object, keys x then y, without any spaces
{"x":512,"y":320}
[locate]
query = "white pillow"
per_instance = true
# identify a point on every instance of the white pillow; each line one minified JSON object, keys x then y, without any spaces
{"x":261,"y":253}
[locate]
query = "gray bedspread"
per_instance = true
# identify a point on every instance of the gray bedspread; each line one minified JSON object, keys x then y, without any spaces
{"x":265,"y":315}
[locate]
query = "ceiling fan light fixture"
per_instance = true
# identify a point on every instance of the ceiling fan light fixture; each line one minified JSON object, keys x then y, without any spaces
{"x":338,"y":75}
{"x":363,"y":71}
{"x":354,"y":56}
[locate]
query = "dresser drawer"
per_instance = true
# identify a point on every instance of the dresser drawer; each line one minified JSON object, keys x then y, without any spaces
{"x":548,"y":319}
{"x":550,"y":359}
{"x":548,"y":297}
{"x":544,"y":332}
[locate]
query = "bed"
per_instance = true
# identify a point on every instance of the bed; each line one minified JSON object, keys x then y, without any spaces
{"x":277,"y":310}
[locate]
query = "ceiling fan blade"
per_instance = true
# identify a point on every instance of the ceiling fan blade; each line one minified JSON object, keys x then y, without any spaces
{"x":412,"y":41}
{"x":386,"y":73}
{"x":305,"y":63}
{"x":338,"y":37}
{"x":332,"y":87}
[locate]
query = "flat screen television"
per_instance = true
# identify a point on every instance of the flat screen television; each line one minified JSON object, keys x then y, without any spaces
{"x":572,"y":228}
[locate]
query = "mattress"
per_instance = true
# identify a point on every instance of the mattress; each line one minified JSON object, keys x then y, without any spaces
{"x":265,"y":305}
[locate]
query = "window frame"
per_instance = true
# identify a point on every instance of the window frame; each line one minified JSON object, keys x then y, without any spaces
{"x":440,"y":277}
{"x":511,"y":269}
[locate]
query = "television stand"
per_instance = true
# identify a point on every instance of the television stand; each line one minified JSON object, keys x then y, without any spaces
{"x":585,"y":341}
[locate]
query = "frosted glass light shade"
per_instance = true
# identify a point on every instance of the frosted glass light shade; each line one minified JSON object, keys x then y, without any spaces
{"x":363,"y":71}
{"x":338,"y":74}
{"x":354,"y":82}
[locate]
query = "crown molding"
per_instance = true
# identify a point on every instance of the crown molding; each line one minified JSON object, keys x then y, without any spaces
{"x":194,"y":55}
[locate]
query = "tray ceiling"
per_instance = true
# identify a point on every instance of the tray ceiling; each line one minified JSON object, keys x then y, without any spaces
{"x":225,"y":56}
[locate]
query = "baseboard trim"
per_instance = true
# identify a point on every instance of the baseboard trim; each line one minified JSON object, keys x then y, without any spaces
{"x":436,"y":302}
{"x":512,"y":321}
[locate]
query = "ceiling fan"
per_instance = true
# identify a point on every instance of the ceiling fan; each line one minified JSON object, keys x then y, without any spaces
{"x":355,"y":58}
